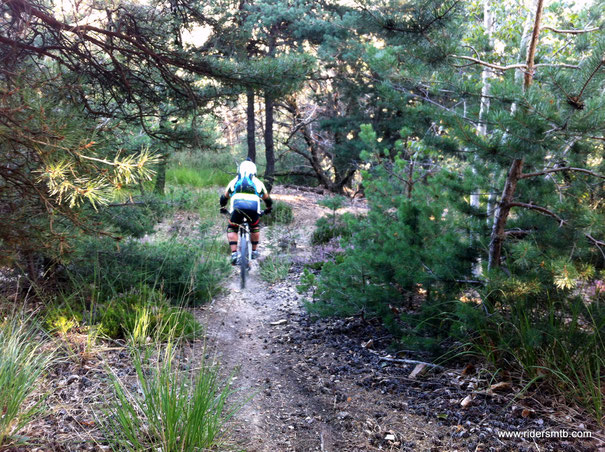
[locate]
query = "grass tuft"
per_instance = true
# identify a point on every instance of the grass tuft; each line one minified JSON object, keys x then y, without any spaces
{"x":170,"y":409}
{"x":282,"y":213}
{"x":275,"y":268}
{"x":22,"y":363}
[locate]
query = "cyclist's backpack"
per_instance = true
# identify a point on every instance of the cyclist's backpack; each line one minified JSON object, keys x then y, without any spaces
{"x":245,"y":185}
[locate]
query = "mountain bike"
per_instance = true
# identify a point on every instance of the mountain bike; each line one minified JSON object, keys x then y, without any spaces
{"x":244,"y":250}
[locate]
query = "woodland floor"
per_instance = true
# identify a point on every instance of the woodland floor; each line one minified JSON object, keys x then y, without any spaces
{"x":315,"y":385}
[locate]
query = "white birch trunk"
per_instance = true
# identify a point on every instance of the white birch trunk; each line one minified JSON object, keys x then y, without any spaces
{"x":488,"y":25}
{"x":492,"y":205}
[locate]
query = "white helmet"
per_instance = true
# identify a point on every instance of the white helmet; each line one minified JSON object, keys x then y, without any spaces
{"x":247,"y":168}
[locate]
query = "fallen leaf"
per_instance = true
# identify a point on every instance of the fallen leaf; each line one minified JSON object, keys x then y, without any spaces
{"x":368,"y":344}
{"x":469,"y":369}
{"x":468,"y":400}
{"x":418,"y":370}
{"x":502,"y":386}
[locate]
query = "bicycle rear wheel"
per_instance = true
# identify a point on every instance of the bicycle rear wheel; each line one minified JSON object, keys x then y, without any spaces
{"x":243,"y":259}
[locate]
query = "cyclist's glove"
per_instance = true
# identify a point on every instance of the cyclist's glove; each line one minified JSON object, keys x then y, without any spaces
{"x":268,"y":210}
{"x":223,"y":200}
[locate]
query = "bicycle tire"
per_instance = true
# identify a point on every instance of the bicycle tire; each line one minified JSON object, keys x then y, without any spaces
{"x":243,"y":259}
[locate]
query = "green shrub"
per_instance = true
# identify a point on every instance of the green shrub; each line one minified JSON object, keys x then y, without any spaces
{"x":174,"y":410}
{"x":400,"y":244}
{"x":135,"y":218}
{"x":189,"y":272}
{"x":332,"y":226}
{"x":62,"y":319}
{"x":282,"y":213}
{"x":22,"y":363}
{"x":334,"y":203}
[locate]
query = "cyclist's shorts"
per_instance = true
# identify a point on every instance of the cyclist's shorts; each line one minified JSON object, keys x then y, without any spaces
{"x":244,"y":209}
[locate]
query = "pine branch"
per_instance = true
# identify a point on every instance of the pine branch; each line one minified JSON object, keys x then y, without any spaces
{"x":601,"y":63}
{"x":550,"y":213}
{"x":524,"y":66}
{"x":518,"y":232}
{"x":570,"y":32}
{"x":555,"y":170}
{"x":295,"y":173}
{"x":490,"y":65}
{"x":540,"y":209}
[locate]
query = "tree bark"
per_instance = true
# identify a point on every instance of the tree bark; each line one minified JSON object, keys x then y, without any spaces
{"x":269,"y":146}
{"x":250,"y":125}
{"x":160,"y":181}
{"x":498,"y":230}
{"x":514,"y":174}
{"x":531,"y":51}
{"x":269,"y":105}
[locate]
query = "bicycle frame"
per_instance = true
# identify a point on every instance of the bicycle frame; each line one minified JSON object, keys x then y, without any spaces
{"x":244,"y":248}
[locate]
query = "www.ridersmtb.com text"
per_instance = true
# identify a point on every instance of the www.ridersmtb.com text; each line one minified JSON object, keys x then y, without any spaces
{"x":537,"y":434}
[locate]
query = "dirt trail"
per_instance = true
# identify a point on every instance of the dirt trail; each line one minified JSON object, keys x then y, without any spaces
{"x":294,"y":407}
{"x":242,"y":326}
{"x":317,"y":386}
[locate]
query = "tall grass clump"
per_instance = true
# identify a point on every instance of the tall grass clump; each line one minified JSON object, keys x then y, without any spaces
{"x":170,"y":409}
{"x":281,"y":213}
{"x":200,"y":170}
{"x":197,"y":177}
{"x":275,"y":268}
{"x":142,"y":312}
{"x":22,"y":363}
{"x":553,"y":340}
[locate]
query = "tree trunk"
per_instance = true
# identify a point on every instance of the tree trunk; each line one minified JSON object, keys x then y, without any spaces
{"x":269,"y":104}
{"x":486,"y":74}
{"x":160,"y":181}
{"x":250,"y":125}
{"x":498,"y":230}
{"x":531,"y":51}
{"x":516,"y":168}
{"x":269,"y":146}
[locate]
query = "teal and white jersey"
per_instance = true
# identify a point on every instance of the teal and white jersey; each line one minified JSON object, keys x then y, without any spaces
{"x":245,"y":189}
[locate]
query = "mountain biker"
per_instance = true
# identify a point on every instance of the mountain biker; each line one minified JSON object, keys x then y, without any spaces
{"x":245,"y":192}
